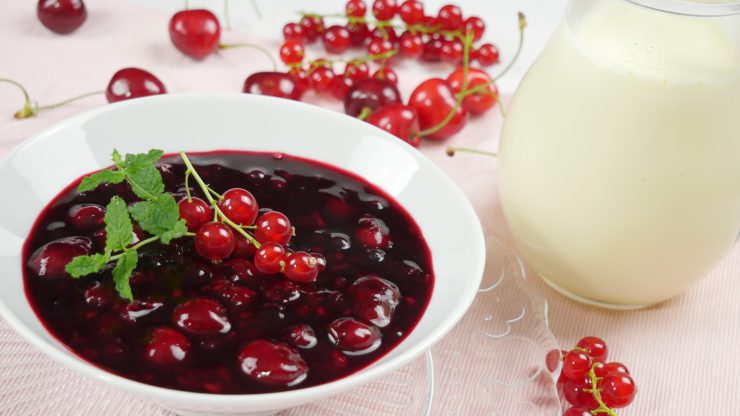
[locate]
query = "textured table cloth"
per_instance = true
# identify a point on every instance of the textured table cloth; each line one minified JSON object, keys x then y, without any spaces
{"x":682,"y":352}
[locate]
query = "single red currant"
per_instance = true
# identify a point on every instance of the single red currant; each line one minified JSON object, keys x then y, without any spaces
{"x":357,"y":71}
{"x":359,"y":33}
{"x":239,"y":205}
{"x":384,"y":10}
{"x":270,"y":258}
{"x":273,"y":227}
{"x":355,"y":8}
{"x":433,"y":48}
{"x":576,"y":365}
{"x":386,"y":74}
{"x":596,"y":348}
{"x":387,"y":33}
{"x":61,"y":16}
{"x":411,"y":12}
{"x":618,"y":390}
{"x":452,"y":51}
{"x":341,"y":86}
{"x":337,"y":39}
{"x":411,"y":45}
{"x":450,"y":17}
{"x":292,"y":52}
{"x":380,"y":47}
{"x":321,"y":79}
{"x":313,"y":26}
{"x":301,"y":267}
{"x":476,"y":25}
{"x":132,"y":82}
{"x":196,"y":212}
{"x":575,"y":394}
{"x":487,"y":54}
{"x":294,"y":32}
{"x":195,"y":32}
{"x":214,"y":241}
{"x":611,"y":368}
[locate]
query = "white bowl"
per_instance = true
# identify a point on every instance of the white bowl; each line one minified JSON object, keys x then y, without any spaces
{"x":35,"y":172}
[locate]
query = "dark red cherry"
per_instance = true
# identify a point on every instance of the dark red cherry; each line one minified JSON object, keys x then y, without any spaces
{"x":313,"y":26}
{"x":371,"y":94}
{"x":354,"y":337}
{"x":166,"y":347}
{"x":337,"y":39}
{"x":301,"y":267}
{"x":61,"y":16}
{"x":272,"y":363}
{"x":372,"y":232}
{"x":133,"y":83}
{"x":139,"y":311}
{"x":399,"y":120}
{"x":49,"y":261}
{"x":98,"y":296}
{"x":243,"y":248}
{"x":195,"y":32}
{"x":239,"y":205}
{"x":235,"y":295}
{"x":302,"y":336}
{"x":480,"y":102}
{"x":201,"y":317}
{"x":273,"y":227}
{"x":434,"y":100}
{"x":374,"y":299}
{"x":270,"y":258}
{"x":214,"y":241}
{"x":195,"y":212}
{"x":276,"y":84}
{"x":86,"y":217}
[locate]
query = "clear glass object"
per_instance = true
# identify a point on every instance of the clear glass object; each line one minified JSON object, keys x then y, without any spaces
{"x":619,"y":165}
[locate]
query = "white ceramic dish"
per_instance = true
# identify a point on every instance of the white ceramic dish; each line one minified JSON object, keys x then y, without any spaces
{"x":41,"y":167}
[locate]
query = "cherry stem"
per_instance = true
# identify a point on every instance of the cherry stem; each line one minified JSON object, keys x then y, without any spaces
{"x":253,"y":46}
{"x":217,"y":211}
{"x":452,"y":150}
{"x":596,"y":393}
{"x":522,"y":26}
{"x":29,"y":108}
{"x":365,"y":113}
{"x":67,"y":101}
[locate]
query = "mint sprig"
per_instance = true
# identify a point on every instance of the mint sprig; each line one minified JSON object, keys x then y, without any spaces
{"x":157,"y":214}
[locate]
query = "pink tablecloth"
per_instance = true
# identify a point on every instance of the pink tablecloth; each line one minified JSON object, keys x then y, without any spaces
{"x":682,"y":353}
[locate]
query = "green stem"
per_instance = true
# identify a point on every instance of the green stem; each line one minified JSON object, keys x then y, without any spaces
{"x":596,"y":393}
{"x":61,"y":103}
{"x":522,"y":26}
{"x":367,"y":58}
{"x":416,"y":28}
{"x":253,"y":46}
{"x":187,"y":186}
{"x":452,"y":150}
{"x":29,"y":109}
{"x":365,"y":113}
{"x":216,"y":194}
{"x":213,"y":203}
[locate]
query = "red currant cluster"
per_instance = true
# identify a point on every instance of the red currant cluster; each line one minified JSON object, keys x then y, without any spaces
{"x":436,"y":109}
{"x":588,"y":382}
{"x":230,"y":225}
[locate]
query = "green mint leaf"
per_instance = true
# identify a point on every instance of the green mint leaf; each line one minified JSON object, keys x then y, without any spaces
{"x":157,"y":216}
{"x":84,"y":265}
{"x":177,"y":231}
{"x":96,"y":179}
{"x":122,"y":272}
{"x":117,"y":159}
{"x":118,"y":228}
{"x":135,"y":161}
{"x":145,"y":181}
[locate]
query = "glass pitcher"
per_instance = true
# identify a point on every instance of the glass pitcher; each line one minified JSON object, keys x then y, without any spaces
{"x":619,"y":165}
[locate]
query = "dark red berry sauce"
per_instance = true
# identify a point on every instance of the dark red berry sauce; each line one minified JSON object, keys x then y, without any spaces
{"x":200,"y":326}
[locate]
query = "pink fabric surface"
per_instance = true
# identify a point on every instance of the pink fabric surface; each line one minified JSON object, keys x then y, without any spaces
{"x":681,"y":352}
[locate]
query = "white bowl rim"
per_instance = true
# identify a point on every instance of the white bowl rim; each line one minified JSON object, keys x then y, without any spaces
{"x":308,"y":394}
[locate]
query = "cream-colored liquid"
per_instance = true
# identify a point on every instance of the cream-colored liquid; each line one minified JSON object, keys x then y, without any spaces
{"x":620,"y":158}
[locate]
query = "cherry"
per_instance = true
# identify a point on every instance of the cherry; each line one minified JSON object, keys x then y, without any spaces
{"x":487,"y":54}
{"x":434,"y":100}
{"x":139,"y":311}
{"x":618,"y":390}
{"x":433,"y":48}
{"x":98,"y":296}
{"x":452,"y":51}
{"x":476,"y":25}
{"x":301,"y":267}
{"x":411,"y":12}
{"x":321,"y":79}
{"x":375,"y":299}
{"x":359,"y":33}
{"x":340,"y":86}
{"x":384,"y":10}
{"x":272,"y":363}
{"x":371,"y":94}
{"x":273,"y":227}
{"x":201,"y":318}
{"x":49,"y":261}
{"x":302,"y":336}
{"x":239,"y":205}
{"x":337,"y":39}
{"x":386,"y":74}
{"x":576,"y":365}
{"x":596,"y":348}
{"x":294,"y":32}
{"x":355,"y":8}
{"x":312,"y":26}
{"x":357,"y":71}
{"x":166,"y":347}
{"x":61,"y":16}
{"x":132,"y":82}
{"x":575,"y":394}
{"x":611,"y":368}
{"x":300,"y":78}
{"x":276,"y":84}
{"x":86,"y":217}
{"x":270,"y":258}
{"x":399,"y":120}
{"x":242,"y":270}
{"x":196,"y":212}
{"x":292,"y":52}
{"x":450,"y":17}
{"x":354,"y":337}
{"x":234,"y":295}
{"x":195,"y":32}
{"x":479,"y":102}
{"x":411,"y":45}
{"x":214,"y":241}
{"x":577,"y":411}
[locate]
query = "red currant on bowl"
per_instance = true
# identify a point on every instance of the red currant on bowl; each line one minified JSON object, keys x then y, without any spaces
{"x":239,"y":205}
{"x":196,"y":212}
{"x":214,"y":241}
{"x":273,"y":227}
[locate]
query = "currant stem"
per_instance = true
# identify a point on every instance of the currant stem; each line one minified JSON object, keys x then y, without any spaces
{"x":187,"y":186}
{"x":217,"y":210}
{"x":216,"y":194}
{"x":596,"y":393}
{"x":522,"y":26}
{"x":416,"y":28}
{"x":253,"y":46}
{"x":67,"y":101}
{"x":366,"y":111}
{"x":367,"y":58}
{"x":452,"y":150}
